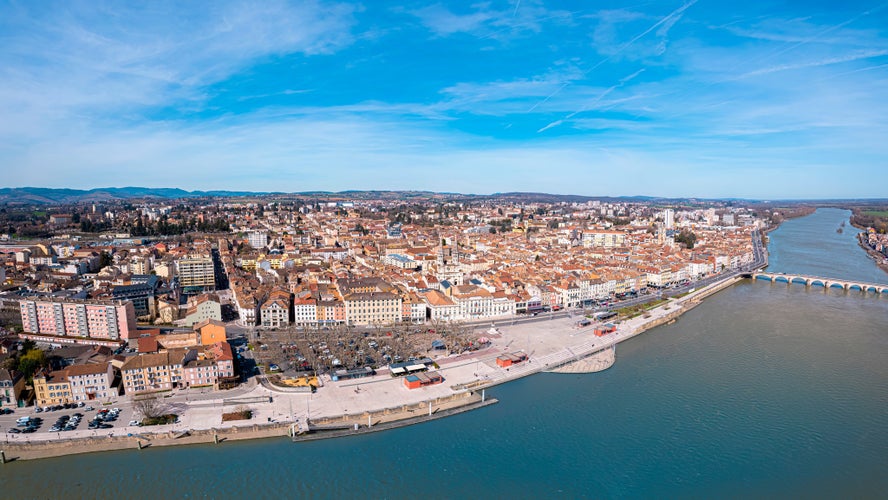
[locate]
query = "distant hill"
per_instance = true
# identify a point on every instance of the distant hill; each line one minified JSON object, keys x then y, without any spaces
{"x":51,"y":196}
{"x":57,"y":196}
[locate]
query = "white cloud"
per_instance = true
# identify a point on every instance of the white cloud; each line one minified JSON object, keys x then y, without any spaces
{"x":85,"y":62}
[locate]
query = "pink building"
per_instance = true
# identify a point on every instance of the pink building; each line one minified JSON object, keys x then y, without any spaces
{"x":97,"y":319}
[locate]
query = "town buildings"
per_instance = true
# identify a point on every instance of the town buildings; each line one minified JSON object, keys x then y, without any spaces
{"x":387,"y":261}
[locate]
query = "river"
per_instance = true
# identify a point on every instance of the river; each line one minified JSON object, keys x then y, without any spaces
{"x":763,"y":390}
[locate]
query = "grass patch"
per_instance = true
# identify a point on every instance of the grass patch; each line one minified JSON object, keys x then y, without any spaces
{"x":633,"y":311}
{"x":161,"y":420}
{"x":876,"y":213}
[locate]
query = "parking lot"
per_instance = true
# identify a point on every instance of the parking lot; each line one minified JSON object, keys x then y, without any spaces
{"x":61,"y":420}
{"x":308,"y":351}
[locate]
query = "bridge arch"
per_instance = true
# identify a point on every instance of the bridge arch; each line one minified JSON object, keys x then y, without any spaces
{"x":852,"y":286}
{"x":799,"y":280}
{"x":764,"y":277}
{"x":781,"y":279}
{"x":836,"y":284}
{"x":817,"y":282}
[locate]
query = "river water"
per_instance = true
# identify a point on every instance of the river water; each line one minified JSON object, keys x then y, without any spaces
{"x":763,"y":390}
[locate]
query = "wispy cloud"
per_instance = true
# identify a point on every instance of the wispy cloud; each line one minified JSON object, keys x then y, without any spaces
{"x":483,"y":20}
{"x":87,"y":60}
{"x":664,"y":24}
{"x":816,"y":63}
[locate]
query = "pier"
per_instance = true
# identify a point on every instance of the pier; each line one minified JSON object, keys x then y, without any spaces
{"x":826,"y":283}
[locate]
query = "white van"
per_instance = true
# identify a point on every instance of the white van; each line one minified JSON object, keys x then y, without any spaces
{"x":23,"y":420}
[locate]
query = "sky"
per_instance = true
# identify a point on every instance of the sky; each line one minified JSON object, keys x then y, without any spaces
{"x":674,"y":98}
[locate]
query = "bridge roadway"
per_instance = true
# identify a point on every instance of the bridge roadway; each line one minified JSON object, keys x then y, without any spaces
{"x":826,"y":283}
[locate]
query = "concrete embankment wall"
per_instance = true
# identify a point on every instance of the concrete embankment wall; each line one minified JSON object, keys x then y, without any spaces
{"x":321,"y":433}
{"x":399,"y":412}
{"x":61,"y":447}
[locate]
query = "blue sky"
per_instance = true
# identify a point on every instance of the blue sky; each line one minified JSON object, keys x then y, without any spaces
{"x":665,"y":98}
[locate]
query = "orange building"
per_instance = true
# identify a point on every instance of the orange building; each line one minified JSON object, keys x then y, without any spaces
{"x":210,"y":331}
{"x":417,"y":380}
{"x":507,"y":360}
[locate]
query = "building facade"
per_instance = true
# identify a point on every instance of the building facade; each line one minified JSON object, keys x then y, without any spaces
{"x":196,"y":273}
{"x":160,"y":371}
{"x":374,"y":308}
{"x":95,"y":319}
{"x":91,"y":382}
{"x":52,"y":389}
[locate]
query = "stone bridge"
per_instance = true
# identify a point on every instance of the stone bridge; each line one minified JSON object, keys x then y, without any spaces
{"x":819,"y":281}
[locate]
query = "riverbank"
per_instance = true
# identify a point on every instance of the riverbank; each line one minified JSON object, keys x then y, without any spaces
{"x":556,"y":342}
{"x":879,"y":259}
{"x":324,"y":428}
{"x":48,"y":449}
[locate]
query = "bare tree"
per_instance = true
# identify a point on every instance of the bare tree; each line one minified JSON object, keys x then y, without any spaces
{"x":149,"y":406}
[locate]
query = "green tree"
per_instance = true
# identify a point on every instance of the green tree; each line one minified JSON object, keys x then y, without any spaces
{"x":31,"y":361}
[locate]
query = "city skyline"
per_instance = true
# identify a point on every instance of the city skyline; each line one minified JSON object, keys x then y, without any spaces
{"x":672,"y":99}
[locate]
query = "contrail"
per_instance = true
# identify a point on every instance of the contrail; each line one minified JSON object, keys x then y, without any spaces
{"x":551,"y":125}
{"x":598,"y":99}
{"x":829,"y":30}
{"x":517,"y":4}
{"x":813,"y":64}
{"x":812,"y":38}
{"x":677,"y":12}
{"x":535,"y":106}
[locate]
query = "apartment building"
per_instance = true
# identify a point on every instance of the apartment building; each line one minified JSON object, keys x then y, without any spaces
{"x":305,"y":311}
{"x":476,"y":302}
{"x":11,"y":386}
{"x":275,"y":311}
{"x":94,"y":319}
{"x":603,"y":238}
{"x":213,"y":367}
{"x":91,"y":382}
{"x":196,"y":273}
{"x":200,"y":373}
{"x":52,"y":388}
{"x":160,"y":371}
{"x":374,"y":308}
{"x":203,"y":307}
